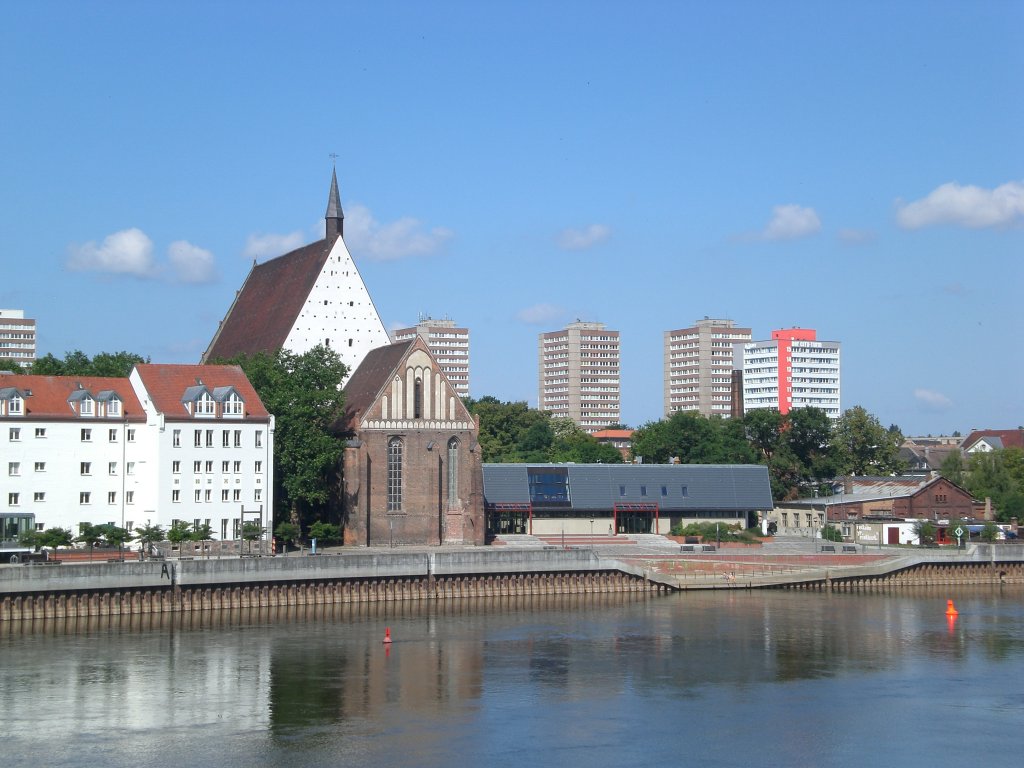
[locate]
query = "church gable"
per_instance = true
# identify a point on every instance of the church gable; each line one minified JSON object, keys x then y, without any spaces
{"x":338,"y":312}
{"x":417,"y":395}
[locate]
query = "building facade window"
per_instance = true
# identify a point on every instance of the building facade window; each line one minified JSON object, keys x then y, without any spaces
{"x":86,"y":435}
{"x":131,"y":435}
{"x":259,"y":438}
{"x":129,"y":497}
{"x":176,"y":438}
{"x":176,"y":496}
{"x":394,"y":474}
{"x":84,"y":497}
{"x":40,"y":431}
{"x":112,"y":435}
{"x":13,"y":499}
{"x":453,"y":473}
{"x":15,"y":434}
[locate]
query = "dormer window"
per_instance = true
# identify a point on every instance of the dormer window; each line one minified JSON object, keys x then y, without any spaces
{"x":231,"y":403}
{"x":82,"y":403}
{"x":205,"y":405}
{"x":110,"y":402}
{"x":12,"y":403}
{"x":198,"y":402}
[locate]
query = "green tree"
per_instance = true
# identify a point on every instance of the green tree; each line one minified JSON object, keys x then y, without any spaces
{"x":33,"y":539}
{"x":303,"y":392}
{"x":288,"y":533}
{"x":325,"y":533}
{"x":989,"y":532}
{"x":763,"y":428}
{"x":55,"y":538}
{"x":251,"y":532}
{"x":690,"y":438}
{"x":117,"y":536}
{"x":180,"y":531}
{"x":148,"y":535}
{"x":571,"y":443}
{"x":864,"y":447}
{"x":511,"y":432}
{"x":830,"y":532}
{"x":202,"y":534}
{"x":926,"y":532}
{"x":89,"y":534}
{"x":952,"y":467}
{"x":77,"y":363}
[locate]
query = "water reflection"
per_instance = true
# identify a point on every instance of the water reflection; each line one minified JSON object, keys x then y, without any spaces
{"x":501,"y":680}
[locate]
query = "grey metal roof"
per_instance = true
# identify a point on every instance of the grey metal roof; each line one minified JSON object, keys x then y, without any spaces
{"x":220,"y":394}
{"x":79,"y":394}
{"x":722,"y":487}
{"x":8,"y":392}
{"x":106,"y":395}
{"x":194,"y":393}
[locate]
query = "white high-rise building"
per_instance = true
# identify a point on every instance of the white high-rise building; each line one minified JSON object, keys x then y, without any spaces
{"x":792,"y":370}
{"x":579,"y":374}
{"x":449,"y":345}
{"x":698,"y":365}
{"x":17,"y":339}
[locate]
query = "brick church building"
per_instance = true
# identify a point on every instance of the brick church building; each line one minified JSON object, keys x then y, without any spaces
{"x":412,"y":466}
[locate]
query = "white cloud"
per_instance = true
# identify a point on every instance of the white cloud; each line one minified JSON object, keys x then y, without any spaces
{"x":955,"y":289}
{"x":966,"y":206}
{"x":580,"y":239}
{"x":404,"y":237}
{"x":539,"y":313}
{"x":856,"y":236}
{"x":271,"y":245}
{"x":191,"y":264}
{"x":932,"y":400}
{"x":790,"y":222}
{"x":128,"y":252}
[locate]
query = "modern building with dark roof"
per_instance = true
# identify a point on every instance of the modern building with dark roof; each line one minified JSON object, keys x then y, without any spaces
{"x":312,"y":295}
{"x":621,"y":498}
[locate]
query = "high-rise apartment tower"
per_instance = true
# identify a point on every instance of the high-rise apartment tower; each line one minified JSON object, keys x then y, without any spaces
{"x":792,"y":370}
{"x":448,"y":344}
{"x":17,"y":339}
{"x":579,"y":374}
{"x":698,"y":367}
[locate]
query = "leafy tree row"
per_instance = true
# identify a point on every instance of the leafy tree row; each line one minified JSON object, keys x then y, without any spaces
{"x":514,"y":433}
{"x":77,"y":363}
{"x":802,"y":449}
{"x":998,"y":475}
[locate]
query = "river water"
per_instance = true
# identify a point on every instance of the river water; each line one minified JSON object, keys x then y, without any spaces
{"x":728,"y":678}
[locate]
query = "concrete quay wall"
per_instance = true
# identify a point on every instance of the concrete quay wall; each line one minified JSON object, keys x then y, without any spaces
{"x":41,"y":592}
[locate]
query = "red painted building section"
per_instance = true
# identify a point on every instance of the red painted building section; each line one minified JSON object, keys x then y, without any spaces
{"x":786,"y":337}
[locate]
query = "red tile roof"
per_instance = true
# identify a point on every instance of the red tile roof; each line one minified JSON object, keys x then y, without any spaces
{"x":49,"y":398}
{"x":266,"y":308}
{"x":1010,"y":438}
{"x":167,"y":383}
{"x":614,"y":434}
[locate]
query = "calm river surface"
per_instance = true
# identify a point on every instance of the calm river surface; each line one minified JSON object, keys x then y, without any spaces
{"x":710,"y":679}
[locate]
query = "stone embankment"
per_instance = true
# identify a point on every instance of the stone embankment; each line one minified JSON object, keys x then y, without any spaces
{"x":522,"y":567}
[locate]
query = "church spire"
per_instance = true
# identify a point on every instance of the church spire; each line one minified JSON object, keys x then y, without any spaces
{"x":335,"y":216}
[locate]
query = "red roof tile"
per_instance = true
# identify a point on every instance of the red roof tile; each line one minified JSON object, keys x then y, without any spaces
{"x":49,"y":398}
{"x":269,"y":302}
{"x":167,"y":383}
{"x":1010,"y":438}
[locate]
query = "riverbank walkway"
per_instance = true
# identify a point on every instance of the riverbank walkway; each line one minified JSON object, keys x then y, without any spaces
{"x":777,"y":561}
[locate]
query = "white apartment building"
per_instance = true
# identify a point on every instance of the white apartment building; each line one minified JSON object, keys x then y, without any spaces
{"x":449,"y":345}
{"x":170,"y":442}
{"x":792,"y":370}
{"x":698,"y":365}
{"x":579,"y":375}
{"x":17,"y":339}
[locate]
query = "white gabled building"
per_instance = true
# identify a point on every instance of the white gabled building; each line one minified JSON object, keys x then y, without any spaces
{"x":312,"y":295}
{"x":170,"y":442}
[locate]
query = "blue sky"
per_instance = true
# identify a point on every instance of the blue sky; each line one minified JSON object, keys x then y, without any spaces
{"x":851,"y":167}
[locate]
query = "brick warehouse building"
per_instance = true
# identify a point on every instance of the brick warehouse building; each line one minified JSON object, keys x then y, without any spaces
{"x":412,"y":465}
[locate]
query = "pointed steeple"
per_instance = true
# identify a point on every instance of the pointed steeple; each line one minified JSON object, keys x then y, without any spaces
{"x":335,"y":216}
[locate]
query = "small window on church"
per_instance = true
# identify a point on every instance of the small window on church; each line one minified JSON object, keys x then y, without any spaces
{"x":350,"y":342}
{"x":417,"y":399}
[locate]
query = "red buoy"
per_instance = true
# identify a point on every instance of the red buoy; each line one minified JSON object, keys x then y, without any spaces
{"x":387,"y":635}
{"x":950,"y":610}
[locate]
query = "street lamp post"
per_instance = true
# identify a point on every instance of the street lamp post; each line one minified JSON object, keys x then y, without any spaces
{"x":591,"y":533}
